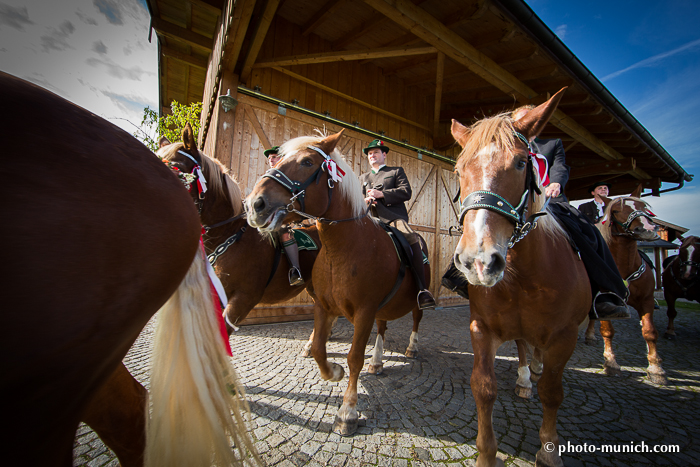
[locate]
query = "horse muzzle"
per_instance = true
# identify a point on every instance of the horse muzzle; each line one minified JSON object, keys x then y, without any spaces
{"x":485,"y":268}
{"x":262,"y":215}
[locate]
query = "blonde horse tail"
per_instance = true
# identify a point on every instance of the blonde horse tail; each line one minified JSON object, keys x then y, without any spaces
{"x":197,"y":401}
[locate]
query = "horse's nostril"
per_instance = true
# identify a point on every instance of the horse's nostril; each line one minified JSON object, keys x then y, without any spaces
{"x":259,"y":204}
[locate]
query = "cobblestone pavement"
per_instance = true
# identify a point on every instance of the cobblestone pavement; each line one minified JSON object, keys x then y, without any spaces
{"x":421,"y":412}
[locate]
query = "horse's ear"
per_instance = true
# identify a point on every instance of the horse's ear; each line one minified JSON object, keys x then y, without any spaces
{"x":606,"y":200}
{"x":188,"y":138}
{"x":534,"y":121}
{"x":638,"y":192}
{"x":459,"y":132}
{"x":329,"y":143}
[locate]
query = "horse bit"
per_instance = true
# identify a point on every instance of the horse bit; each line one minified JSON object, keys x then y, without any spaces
{"x":482,"y":199}
{"x":298,"y":189}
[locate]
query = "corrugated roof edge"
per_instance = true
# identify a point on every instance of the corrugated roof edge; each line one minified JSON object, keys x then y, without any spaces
{"x":522,"y":14}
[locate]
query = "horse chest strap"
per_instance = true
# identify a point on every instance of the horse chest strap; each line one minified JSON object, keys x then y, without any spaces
{"x":221,"y":249}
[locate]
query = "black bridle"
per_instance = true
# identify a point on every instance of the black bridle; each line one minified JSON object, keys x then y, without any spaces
{"x":518,"y":215}
{"x":626,"y":232}
{"x":298,"y":189}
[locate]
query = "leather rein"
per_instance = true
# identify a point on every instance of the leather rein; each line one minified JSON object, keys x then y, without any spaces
{"x":298,"y":190}
{"x":518,"y":215}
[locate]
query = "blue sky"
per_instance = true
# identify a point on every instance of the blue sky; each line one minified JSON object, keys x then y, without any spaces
{"x":647,"y":53}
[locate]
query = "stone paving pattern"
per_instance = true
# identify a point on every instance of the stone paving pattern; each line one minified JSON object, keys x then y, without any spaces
{"x":421,"y":412}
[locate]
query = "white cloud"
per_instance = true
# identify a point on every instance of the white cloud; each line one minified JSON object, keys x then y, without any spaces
{"x":651,"y":61}
{"x":560,"y":31}
{"x":14,"y":17}
{"x":72,"y":48}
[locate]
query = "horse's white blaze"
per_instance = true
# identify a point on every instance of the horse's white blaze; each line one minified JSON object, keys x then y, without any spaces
{"x":378,"y":351}
{"x":413,"y":342}
{"x":646,"y":224}
{"x":523,"y":377}
{"x":691,"y":250}
{"x":630,"y":204}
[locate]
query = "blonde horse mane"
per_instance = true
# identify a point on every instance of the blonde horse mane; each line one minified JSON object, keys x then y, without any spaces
{"x":499,"y":131}
{"x":219,"y":180}
{"x":349,"y":188}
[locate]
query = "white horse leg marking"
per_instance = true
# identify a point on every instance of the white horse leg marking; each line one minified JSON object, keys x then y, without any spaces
{"x":413,"y":342}
{"x":378,"y":352}
{"x":523,"y":377}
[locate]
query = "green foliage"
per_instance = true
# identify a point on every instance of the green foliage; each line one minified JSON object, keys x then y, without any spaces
{"x":153,"y":128}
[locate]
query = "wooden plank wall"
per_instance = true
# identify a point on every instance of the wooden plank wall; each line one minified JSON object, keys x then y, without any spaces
{"x":258,"y":125}
{"x":362,"y":81}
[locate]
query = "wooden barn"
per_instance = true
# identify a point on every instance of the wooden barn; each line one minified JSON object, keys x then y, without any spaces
{"x":397,"y":70}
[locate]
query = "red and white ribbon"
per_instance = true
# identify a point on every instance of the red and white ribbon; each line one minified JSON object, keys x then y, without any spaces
{"x":539,"y":162}
{"x":218,"y":297}
{"x":335,"y":172}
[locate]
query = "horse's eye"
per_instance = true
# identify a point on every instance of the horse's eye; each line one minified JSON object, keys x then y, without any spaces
{"x":521,"y":164}
{"x":307,"y":162}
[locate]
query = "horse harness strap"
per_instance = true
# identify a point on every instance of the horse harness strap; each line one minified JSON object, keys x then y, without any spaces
{"x":207,"y":228}
{"x":633,"y":215}
{"x":636,"y":274}
{"x":221,"y":249}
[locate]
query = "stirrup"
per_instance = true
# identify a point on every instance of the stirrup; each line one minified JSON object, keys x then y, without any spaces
{"x":608,"y":306}
{"x":428,"y":302}
{"x":294,"y":276}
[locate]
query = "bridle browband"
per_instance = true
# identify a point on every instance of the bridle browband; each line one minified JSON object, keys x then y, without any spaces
{"x":482,"y":199}
{"x":298,"y":189}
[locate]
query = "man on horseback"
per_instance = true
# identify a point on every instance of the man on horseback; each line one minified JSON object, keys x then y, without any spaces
{"x":291,"y":249}
{"x":386,"y":189}
{"x":594,"y":210}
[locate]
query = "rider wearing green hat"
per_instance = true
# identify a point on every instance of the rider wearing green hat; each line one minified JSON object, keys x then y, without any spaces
{"x":386,"y":189}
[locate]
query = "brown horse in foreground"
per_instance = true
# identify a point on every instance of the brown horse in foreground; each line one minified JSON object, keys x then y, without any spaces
{"x":357,"y":267}
{"x":681,"y":279}
{"x":628,"y":220}
{"x":532,"y":288}
{"x":99,"y":235}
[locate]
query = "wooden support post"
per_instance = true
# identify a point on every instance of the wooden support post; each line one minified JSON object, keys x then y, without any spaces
{"x":438,"y":91}
{"x":220,"y":144}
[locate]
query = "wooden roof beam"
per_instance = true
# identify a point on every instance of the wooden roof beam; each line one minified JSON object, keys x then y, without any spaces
{"x":189,"y":59}
{"x":173,"y":31}
{"x":239,"y":22}
{"x":215,"y":6}
{"x":341,"y":56}
{"x":425,"y":26}
{"x":258,"y":38}
{"x":620,"y":166}
{"x":321,"y":15}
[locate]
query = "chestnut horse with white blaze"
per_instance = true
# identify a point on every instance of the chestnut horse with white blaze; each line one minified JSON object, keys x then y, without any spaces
{"x":100,"y":235}
{"x":529,"y":283}
{"x":357,"y":267}
{"x":681,"y":279}
{"x":626,"y":221}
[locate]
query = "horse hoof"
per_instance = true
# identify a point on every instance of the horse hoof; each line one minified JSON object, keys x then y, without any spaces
{"x":534,"y":377}
{"x":305,"y":353}
{"x":661,"y":380}
{"x":525,"y":393}
{"x":375,"y":369}
{"x":345,"y":427}
{"x":411,"y":353}
{"x":670,"y":335}
{"x":590,"y":340}
{"x":548,"y":459}
{"x":498,"y":462}
{"x":612,"y":371}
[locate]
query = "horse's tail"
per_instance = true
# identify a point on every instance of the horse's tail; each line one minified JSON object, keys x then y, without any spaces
{"x":197,"y":401}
